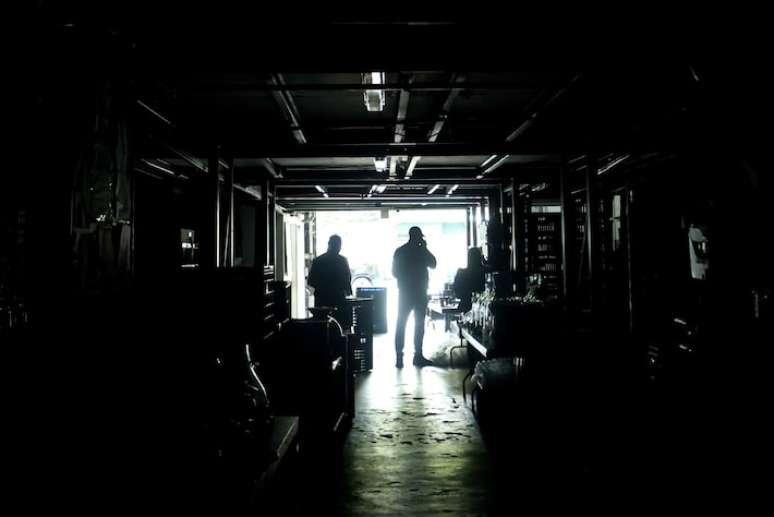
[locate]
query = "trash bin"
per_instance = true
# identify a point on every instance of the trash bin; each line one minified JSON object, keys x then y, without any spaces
{"x":379,"y":295}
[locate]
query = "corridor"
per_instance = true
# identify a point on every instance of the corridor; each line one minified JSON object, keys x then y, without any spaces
{"x":594,"y":201}
{"x":414,"y":448}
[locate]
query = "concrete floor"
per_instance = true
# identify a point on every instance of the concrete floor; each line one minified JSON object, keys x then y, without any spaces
{"x":414,"y":448}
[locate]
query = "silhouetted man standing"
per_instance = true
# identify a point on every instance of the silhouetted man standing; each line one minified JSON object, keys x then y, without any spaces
{"x":409,"y":267}
{"x":330,"y":277}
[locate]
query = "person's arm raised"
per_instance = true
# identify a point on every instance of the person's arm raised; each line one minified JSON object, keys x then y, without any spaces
{"x":431,"y":262}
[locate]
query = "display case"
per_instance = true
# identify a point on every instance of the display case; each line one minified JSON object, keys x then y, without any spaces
{"x":546,"y":249}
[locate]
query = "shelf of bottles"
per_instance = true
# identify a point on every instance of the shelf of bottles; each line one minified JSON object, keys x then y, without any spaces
{"x":478,"y":321}
{"x":546,"y":252}
{"x":525,"y":229}
{"x":508,"y":221}
{"x":581,"y":209}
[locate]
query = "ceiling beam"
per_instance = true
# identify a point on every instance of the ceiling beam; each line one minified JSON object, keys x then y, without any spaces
{"x":400,"y":126}
{"x":358,"y":87}
{"x":373,"y":205}
{"x":369,"y":150}
{"x":370,"y":176}
{"x":367,"y":177}
{"x":535,"y":109}
{"x":445,"y":109}
{"x":271,"y":167}
{"x":327,"y":169}
{"x":197,"y":163}
{"x":332,"y":197}
{"x":441,"y":120}
{"x":400,"y":118}
{"x":287,"y":106}
{"x":254,"y":150}
{"x":419,"y":183}
{"x":412,"y":165}
{"x":468,"y":121}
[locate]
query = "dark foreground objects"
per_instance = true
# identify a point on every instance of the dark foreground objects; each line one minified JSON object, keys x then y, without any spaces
{"x":409,"y":267}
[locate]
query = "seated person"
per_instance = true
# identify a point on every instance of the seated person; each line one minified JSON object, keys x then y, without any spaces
{"x":470,"y":279}
{"x":331,"y":279}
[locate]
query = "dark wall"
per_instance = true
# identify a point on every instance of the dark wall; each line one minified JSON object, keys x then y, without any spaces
{"x":245,"y":214}
{"x":699,"y":414}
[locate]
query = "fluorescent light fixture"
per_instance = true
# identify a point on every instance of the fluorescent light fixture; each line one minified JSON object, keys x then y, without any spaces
{"x":380,"y":163}
{"x":374,"y":99}
{"x":488,"y":160}
{"x":451,"y":190}
{"x":495,"y":164}
{"x":159,"y":167}
{"x":155,"y":113}
{"x":433,"y":189}
{"x":612,"y":164}
{"x":321,"y":190}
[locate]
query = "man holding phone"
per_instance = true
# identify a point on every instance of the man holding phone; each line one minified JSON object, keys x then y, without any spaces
{"x":409,"y":266}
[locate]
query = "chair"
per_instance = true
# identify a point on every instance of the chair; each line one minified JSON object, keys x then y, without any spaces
{"x":458,"y":313}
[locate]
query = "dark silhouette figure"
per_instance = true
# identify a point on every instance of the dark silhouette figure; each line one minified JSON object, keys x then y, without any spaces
{"x":330,"y":277}
{"x":409,"y":267}
{"x":469,"y":280}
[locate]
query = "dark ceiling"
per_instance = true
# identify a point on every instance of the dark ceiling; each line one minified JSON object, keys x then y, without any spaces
{"x":471,"y":98}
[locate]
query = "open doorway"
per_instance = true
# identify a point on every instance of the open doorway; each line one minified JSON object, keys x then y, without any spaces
{"x":369,"y":239}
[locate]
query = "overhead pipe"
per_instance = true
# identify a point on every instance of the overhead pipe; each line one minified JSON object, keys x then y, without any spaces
{"x":437,"y":129}
{"x":288,"y":107}
{"x":400,"y":127}
{"x":530,"y":119}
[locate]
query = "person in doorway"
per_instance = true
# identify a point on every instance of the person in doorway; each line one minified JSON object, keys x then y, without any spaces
{"x":409,"y":267}
{"x":330,"y":276}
